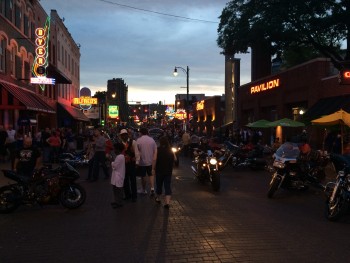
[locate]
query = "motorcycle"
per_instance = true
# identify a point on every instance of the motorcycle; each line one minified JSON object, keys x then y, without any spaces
{"x":293,"y":172}
{"x":206,"y":168}
{"x":75,"y":159}
{"x":46,"y":186}
{"x":338,"y":192}
{"x":247,"y":157}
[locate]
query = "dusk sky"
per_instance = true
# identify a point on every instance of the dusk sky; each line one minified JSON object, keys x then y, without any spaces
{"x":142,"y":41}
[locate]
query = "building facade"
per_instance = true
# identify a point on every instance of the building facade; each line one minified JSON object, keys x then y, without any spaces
{"x":25,"y":106}
{"x":117,"y":95}
{"x":31,"y":107}
{"x":304,"y":92}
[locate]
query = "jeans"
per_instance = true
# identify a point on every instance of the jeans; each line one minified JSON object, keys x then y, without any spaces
{"x":130,"y":188}
{"x":99,"y":158}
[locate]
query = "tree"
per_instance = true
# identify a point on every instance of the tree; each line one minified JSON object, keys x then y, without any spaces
{"x":316,"y":27}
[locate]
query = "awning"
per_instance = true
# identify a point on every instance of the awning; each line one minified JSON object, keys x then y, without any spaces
{"x":30,"y":100}
{"x":327,"y":106}
{"x":74,"y":112}
{"x":60,"y":78}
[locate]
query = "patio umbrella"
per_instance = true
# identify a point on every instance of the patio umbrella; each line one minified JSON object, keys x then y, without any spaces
{"x":286,"y":123}
{"x":259,"y":124}
{"x":340,"y":117}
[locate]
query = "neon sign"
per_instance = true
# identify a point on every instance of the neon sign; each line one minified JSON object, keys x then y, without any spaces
{"x":85,"y":101}
{"x":265,"y":86}
{"x":200,"y":105}
{"x":41,"y":56}
{"x":113,"y":111}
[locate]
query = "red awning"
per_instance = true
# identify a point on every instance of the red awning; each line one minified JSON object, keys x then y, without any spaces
{"x":30,"y":100}
{"x":74,"y":112}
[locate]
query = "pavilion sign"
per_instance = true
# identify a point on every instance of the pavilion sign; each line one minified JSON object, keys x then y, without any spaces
{"x":265,"y":86}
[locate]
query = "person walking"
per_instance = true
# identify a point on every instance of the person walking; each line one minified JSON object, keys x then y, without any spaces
{"x":164,"y":169}
{"x":99,"y":155}
{"x":11,"y":144}
{"x":55,"y":145}
{"x":90,"y":151}
{"x":186,"y":140}
{"x":148,"y":153}
{"x":3,"y":139}
{"x":130,"y":152}
{"x":118,"y":175}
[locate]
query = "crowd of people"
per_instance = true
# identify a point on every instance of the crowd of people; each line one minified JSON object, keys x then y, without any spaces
{"x":123,"y":154}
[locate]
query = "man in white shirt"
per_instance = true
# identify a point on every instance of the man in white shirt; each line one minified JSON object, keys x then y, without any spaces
{"x":146,"y":162}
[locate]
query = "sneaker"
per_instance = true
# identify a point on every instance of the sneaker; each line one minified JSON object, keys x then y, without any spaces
{"x":166,"y":206}
{"x":152,"y":193}
{"x":157,"y":200}
{"x":142,"y":192}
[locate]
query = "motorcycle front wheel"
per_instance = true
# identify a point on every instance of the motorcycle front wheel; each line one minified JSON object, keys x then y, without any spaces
{"x":275,"y":181}
{"x":9,"y":199}
{"x":336,"y":208}
{"x":215,"y":181}
{"x":72,"y":196}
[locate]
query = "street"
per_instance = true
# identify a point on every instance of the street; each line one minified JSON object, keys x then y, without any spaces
{"x":238,"y":224}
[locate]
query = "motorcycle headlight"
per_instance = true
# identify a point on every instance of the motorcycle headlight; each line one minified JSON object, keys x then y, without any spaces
{"x":174,"y":149}
{"x":213,"y":161}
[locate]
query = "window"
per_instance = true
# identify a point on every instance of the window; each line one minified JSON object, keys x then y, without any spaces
{"x":2,"y":54}
{"x":13,"y":61}
{"x":18,"y":17}
{"x":8,"y":9}
{"x":26,"y":25}
{"x":58,"y":51}
{"x":2,"y":7}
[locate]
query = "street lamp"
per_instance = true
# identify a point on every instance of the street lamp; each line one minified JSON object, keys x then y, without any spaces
{"x":187,"y":72}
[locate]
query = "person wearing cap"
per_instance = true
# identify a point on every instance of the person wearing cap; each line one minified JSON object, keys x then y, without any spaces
{"x":130,"y":153}
{"x":146,"y":163}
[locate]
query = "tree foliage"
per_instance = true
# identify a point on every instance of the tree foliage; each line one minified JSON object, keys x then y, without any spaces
{"x":319,"y":26}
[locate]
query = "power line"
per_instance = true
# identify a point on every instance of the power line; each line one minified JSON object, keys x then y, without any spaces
{"x":159,"y":13}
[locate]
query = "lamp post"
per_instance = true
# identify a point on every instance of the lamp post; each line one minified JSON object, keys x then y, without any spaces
{"x":187,"y":72}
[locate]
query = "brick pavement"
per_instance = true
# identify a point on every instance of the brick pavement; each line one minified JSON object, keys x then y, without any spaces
{"x":239,"y":224}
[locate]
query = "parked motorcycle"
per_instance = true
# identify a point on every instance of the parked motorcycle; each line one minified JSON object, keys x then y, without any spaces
{"x":206,"y":168}
{"x":75,"y":159}
{"x":46,"y":186}
{"x":338,"y":192}
{"x":293,"y":172}
{"x":247,"y":157}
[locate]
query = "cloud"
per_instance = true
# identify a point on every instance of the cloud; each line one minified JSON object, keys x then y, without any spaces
{"x":143,"y":48}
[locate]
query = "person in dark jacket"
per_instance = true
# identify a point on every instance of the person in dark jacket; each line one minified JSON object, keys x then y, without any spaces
{"x":164,"y":169}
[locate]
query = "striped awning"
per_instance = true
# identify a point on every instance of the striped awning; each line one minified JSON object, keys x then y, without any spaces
{"x":30,"y":100}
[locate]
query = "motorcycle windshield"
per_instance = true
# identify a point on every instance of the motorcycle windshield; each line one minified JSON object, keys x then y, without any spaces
{"x":288,"y":151}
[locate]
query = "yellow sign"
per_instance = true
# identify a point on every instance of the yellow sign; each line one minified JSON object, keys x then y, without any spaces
{"x":85,"y":101}
{"x":200,"y":105}
{"x":265,"y":86}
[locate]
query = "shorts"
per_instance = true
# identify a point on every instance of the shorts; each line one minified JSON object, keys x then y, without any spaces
{"x":142,"y":171}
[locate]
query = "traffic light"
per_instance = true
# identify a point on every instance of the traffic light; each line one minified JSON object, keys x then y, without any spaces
{"x":103,"y":122}
{"x":344,"y":77}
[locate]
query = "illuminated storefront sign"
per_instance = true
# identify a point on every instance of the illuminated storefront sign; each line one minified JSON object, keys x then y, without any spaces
{"x":200,"y":105}
{"x":85,"y":101}
{"x":113,"y":111}
{"x":265,"y":86}
{"x":41,"y":56}
{"x":43,"y":81}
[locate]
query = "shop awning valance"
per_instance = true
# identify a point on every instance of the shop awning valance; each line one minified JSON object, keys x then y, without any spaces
{"x":30,"y":100}
{"x":76,"y":113}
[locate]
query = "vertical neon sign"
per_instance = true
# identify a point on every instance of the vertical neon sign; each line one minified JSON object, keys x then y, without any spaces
{"x":42,"y":51}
